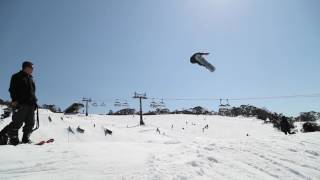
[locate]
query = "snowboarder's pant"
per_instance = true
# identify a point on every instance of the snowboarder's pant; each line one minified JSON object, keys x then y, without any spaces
{"x":23,"y":114}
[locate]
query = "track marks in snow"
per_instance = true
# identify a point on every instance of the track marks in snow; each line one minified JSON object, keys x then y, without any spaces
{"x":236,"y":159}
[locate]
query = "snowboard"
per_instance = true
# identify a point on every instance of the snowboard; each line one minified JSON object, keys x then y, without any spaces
{"x":4,"y":141}
{"x":40,"y":143}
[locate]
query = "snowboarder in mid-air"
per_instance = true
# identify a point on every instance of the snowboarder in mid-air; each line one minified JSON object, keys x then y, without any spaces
{"x":24,"y":102}
{"x":198,"y":58}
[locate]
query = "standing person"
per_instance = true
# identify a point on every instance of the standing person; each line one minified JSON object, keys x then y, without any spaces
{"x":24,"y":102}
{"x":285,"y":125}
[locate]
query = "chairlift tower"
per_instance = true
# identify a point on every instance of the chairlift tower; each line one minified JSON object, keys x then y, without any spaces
{"x":153,"y":104}
{"x":140,"y":97}
{"x":162,"y":104}
{"x":117,"y":103}
{"x":87,"y":100}
{"x":224,"y":108}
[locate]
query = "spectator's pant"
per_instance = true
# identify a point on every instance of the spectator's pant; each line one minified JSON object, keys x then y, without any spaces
{"x":22,"y":114}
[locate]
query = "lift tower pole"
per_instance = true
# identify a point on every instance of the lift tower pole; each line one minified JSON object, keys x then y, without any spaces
{"x":87,"y":100}
{"x":140,"y":97}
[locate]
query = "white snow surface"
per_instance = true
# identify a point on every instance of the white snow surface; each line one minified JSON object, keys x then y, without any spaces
{"x":224,"y":151}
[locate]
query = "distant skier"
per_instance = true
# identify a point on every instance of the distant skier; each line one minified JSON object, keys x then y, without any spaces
{"x":24,"y":102}
{"x":285,"y":125}
{"x":198,"y":58}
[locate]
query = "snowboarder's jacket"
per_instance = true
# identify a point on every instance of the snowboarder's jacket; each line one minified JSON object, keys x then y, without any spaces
{"x":22,"y":89}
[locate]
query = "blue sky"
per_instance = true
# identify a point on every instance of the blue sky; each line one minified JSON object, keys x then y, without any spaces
{"x":109,"y":49}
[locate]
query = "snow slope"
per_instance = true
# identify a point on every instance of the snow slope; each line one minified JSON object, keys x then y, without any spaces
{"x":184,"y":152}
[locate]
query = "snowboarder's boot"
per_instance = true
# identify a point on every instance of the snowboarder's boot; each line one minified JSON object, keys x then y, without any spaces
{"x":13,"y":138}
{"x":26,"y":138}
{"x":3,"y":139}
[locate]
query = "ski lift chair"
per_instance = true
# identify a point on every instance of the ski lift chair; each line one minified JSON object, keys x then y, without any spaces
{"x":117,"y":103}
{"x":94,"y":104}
{"x":125,"y":104}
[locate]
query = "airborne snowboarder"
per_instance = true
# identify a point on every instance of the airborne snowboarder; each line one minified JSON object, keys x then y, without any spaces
{"x":24,"y":102}
{"x":198,"y":58}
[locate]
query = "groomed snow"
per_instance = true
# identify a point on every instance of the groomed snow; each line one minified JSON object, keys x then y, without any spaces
{"x":224,"y":151}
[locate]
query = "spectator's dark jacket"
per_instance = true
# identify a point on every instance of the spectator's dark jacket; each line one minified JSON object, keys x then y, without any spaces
{"x":22,"y":89}
{"x":285,"y":125}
